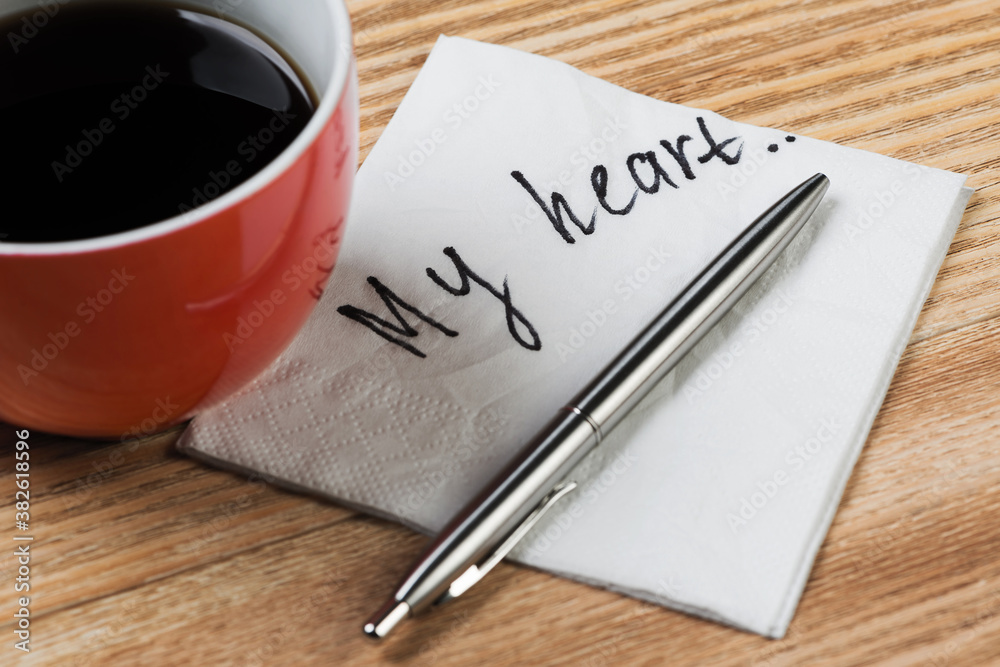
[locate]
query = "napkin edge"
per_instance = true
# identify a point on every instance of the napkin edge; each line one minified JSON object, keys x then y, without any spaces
{"x":779,"y":625}
{"x":186,"y":448}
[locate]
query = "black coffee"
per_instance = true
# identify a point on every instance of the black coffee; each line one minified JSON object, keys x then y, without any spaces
{"x":119,"y":115}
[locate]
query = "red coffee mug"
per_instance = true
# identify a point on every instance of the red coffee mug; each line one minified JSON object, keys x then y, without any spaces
{"x":125,"y":335}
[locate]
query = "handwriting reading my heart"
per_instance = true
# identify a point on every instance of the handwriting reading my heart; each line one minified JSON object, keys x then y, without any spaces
{"x":648,"y":173}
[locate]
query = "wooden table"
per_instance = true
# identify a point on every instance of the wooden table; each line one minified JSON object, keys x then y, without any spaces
{"x":145,"y":557}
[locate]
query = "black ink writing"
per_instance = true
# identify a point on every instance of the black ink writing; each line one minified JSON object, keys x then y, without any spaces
{"x":514,"y":316}
{"x":659,"y":173}
{"x":554,"y":214}
{"x":402,"y":328}
{"x":560,"y":209}
{"x":599,"y":181}
{"x":398,"y":329}
{"x":678,"y":155}
{"x":714,"y":149}
{"x":382,"y":327}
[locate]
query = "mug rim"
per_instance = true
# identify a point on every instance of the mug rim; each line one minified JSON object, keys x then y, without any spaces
{"x":329,"y":102}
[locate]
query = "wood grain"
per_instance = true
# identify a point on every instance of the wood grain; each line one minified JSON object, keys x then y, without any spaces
{"x":146,"y":557}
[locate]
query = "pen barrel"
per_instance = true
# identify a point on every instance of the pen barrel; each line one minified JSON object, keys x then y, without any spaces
{"x":513,"y":494}
{"x":698,"y":308}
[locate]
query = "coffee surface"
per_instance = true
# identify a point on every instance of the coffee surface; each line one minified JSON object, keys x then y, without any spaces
{"x":119,"y":115}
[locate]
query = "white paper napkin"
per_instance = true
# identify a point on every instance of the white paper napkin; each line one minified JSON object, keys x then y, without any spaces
{"x":714,"y":496}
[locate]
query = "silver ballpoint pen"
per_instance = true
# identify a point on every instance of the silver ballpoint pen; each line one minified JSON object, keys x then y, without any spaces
{"x":487,"y":528}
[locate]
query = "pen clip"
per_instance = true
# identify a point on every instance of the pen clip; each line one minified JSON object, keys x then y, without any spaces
{"x":467,"y":579}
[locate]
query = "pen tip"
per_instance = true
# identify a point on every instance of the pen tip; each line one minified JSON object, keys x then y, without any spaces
{"x":820,"y":179}
{"x":386,"y":618}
